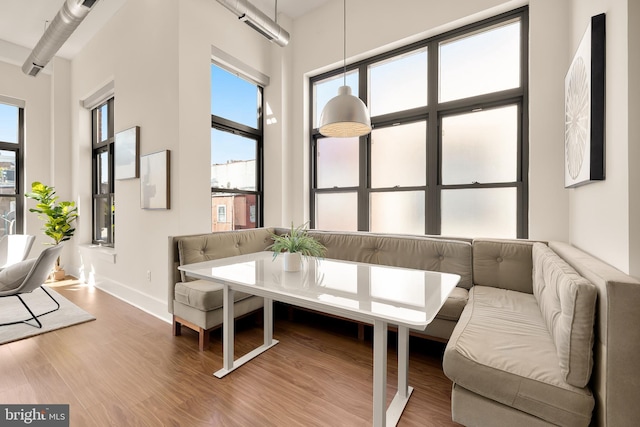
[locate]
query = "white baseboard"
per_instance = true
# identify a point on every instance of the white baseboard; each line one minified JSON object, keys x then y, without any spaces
{"x":147,"y":303}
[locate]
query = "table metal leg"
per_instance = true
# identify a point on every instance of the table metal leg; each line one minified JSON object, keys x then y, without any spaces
{"x":379,"y":373}
{"x":268,"y":321}
{"x":229,"y":364}
{"x":401,"y":398}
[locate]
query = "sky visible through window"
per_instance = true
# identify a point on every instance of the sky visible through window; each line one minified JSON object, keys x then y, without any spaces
{"x":235,"y":99}
{"x":8,"y":123}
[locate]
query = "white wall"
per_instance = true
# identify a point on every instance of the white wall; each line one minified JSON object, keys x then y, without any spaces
{"x":158,"y":54}
{"x":37,"y":95}
{"x":633,"y":17}
{"x":137,"y":50}
{"x":599,"y":214}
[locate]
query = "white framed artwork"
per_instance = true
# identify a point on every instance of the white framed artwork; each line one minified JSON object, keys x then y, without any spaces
{"x":154,"y":180}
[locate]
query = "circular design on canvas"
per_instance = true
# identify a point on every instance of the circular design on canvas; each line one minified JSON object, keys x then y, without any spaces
{"x":576,"y":125}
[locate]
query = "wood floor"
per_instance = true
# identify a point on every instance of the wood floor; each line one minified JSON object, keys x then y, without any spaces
{"x":126,"y":369}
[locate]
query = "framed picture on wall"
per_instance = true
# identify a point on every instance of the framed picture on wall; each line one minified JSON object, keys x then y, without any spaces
{"x":584,"y":95}
{"x":154,"y":180}
{"x":127,"y":147}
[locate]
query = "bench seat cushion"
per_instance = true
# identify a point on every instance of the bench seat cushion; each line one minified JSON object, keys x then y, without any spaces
{"x":453,"y":306}
{"x":203,"y":294}
{"x":501,"y":349}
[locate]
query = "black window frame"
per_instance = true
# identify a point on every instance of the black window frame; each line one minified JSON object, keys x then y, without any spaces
{"x":433,"y":114}
{"x":99,"y":147}
{"x":18,"y":149}
{"x":257,"y":134}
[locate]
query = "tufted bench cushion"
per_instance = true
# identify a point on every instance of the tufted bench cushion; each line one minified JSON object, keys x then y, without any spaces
{"x":504,"y":264}
{"x":426,"y":253}
{"x":206,"y":247}
{"x":568,"y":305}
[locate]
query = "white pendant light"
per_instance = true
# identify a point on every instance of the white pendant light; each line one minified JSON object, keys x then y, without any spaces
{"x":345,"y":115}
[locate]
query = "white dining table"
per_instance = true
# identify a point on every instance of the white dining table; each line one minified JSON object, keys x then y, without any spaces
{"x":369,"y":293}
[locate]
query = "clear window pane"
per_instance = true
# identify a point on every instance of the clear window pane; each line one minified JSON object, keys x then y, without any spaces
{"x":326,"y":89}
{"x":398,"y":83}
{"x":234,"y":98}
{"x":399,"y":156}
{"x":103,"y":173}
{"x":103,"y":212}
{"x":337,"y":162}
{"x":397,"y":212}
{"x":7,"y":172}
{"x":233,"y":161}
{"x":482,"y":212}
{"x":484,"y":62}
{"x":233,"y":211}
{"x":480,"y":147}
{"x":337,"y":211}
{"x":103,"y":123}
{"x":8,"y":123}
{"x":7,"y":215}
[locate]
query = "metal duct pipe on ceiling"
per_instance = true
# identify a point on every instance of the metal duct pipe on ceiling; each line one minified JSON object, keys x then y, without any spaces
{"x":253,"y":17}
{"x":65,"y":22}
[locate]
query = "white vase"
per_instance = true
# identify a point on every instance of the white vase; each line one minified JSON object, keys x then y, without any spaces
{"x":292,"y":261}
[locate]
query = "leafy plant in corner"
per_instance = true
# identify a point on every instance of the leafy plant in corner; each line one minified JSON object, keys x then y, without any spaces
{"x":58,"y":216}
{"x":297,"y":240}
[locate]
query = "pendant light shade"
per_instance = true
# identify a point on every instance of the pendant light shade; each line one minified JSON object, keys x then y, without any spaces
{"x":345,"y":115}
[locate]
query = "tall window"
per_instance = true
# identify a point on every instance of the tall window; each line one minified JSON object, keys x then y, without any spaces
{"x":103,"y":185}
{"x":236,"y":151}
{"x":448,"y":150}
{"x":11,"y":181}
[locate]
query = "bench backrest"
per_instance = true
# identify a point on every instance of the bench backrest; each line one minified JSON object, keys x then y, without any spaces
{"x":427,"y":253}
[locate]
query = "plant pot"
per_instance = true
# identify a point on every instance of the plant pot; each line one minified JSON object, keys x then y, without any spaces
{"x":58,"y":274}
{"x":292,"y":261}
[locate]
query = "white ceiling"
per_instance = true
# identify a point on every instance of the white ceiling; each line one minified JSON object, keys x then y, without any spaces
{"x":22,"y":22}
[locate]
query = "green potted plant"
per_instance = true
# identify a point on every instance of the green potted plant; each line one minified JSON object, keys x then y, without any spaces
{"x":58,"y":217}
{"x":295,"y":244}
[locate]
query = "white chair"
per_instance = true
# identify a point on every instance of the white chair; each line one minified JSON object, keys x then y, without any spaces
{"x":26,"y":276}
{"x":15,"y":248}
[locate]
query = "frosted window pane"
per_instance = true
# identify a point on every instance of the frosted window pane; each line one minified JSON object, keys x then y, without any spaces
{"x":398,"y":155}
{"x":234,"y":98}
{"x":484,"y":62}
{"x":327,"y":89}
{"x":480,"y":147}
{"x":482,"y":212}
{"x":337,"y":211}
{"x":233,"y":161}
{"x":337,"y":162}
{"x":397,"y":212}
{"x":8,"y":123}
{"x":398,"y":84}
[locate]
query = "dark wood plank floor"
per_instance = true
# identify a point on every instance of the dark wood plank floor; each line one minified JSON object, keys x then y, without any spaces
{"x":126,"y":369}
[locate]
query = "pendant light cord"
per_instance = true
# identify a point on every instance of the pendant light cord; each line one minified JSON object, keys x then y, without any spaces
{"x":344,"y":39}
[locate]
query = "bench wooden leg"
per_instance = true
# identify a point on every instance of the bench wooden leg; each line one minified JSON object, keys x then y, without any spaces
{"x":177,"y":327}
{"x":203,"y":334}
{"x":203,"y":339}
{"x":360,"y":332}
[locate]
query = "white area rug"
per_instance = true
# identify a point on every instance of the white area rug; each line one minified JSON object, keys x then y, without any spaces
{"x":11,"y":309}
